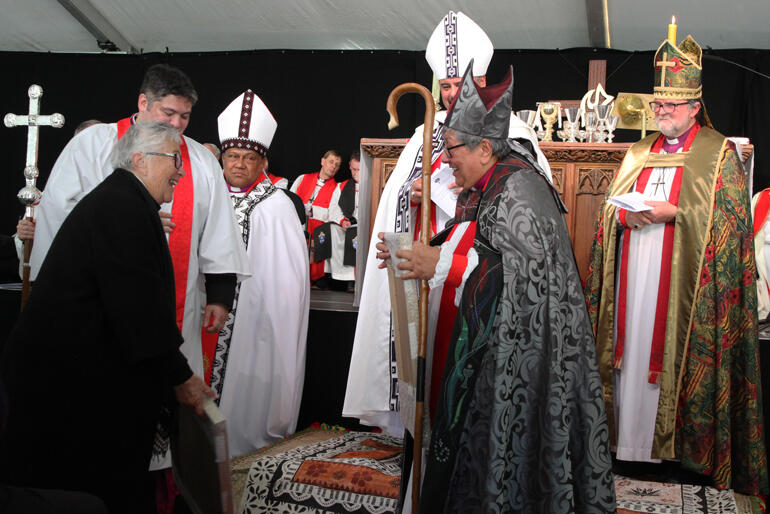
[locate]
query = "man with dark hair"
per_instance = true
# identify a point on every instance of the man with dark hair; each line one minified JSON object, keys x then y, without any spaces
{"x":95,"y":353}
{"x":84,"y":125}
{"x":519,"y":424}
{"x":673,"y":297}
{"x":207,"y":255}
{"x":162,"y":80}
{"x":315,"y":190}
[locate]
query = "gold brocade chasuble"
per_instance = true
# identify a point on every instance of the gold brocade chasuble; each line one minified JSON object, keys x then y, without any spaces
{"x":692,"y":225}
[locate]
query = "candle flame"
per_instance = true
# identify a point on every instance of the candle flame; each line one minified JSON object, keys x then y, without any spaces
{"x":673,"y":19}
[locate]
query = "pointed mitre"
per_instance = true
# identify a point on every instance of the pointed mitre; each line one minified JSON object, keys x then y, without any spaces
{"x":678,"y":70}
{"x":247,"y":123}
{"x":482,"y":111}
{"x":455,"y":42}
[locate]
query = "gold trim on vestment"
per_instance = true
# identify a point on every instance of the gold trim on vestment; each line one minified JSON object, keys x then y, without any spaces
{"x":693,"y":221}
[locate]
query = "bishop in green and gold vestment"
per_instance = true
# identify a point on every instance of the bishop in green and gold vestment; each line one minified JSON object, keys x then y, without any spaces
{"x":672,"y":295}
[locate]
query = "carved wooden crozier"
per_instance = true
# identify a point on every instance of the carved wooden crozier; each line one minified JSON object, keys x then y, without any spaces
{"x":427,"y":147}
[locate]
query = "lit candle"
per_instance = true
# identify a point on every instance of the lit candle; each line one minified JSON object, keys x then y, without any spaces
{"x":672,"y":31}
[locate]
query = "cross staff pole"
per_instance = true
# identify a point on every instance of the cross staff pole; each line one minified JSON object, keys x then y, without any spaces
{"x":29,"y":195}
{"x":427,"y":151}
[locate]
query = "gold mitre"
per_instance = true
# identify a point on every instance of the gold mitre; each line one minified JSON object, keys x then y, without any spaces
{"x":678,"y":70}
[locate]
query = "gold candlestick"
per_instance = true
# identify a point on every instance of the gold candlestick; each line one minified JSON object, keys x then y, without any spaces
{"x":549,"y":113}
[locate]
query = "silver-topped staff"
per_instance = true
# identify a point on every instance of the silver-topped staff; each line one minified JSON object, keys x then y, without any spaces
{"x":29,"y":195}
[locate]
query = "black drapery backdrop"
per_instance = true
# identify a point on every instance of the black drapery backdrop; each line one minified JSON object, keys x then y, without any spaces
{"x":330,"y":99}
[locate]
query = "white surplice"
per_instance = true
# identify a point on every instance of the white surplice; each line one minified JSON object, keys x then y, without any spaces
{"x":636,"y":400}
{"x":265,"y":363}
{"x":370,"y":394}
{"x":214,"y":245}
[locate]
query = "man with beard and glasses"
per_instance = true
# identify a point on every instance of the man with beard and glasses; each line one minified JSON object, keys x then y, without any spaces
{"x":672,"y":295}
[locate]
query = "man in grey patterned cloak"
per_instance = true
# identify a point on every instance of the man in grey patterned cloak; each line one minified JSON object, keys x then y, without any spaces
{"x":520,"y":424}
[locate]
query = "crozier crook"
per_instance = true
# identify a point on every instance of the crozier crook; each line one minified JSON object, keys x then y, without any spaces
{"x":427,"y":147}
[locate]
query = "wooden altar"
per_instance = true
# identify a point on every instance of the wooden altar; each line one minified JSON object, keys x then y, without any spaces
{"x":581,"y":174}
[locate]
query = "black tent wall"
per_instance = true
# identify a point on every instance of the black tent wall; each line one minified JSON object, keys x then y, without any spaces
{"x":330,"y":99}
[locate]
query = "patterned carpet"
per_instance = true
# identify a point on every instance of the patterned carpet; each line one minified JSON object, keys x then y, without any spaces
{"x":240,"y":465}
{"x":660,"y":498}
{"x":357,"y":472}
{"x":321,"y":470}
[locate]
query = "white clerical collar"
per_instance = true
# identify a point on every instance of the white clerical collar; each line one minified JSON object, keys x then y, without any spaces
{"x":673,"y":141}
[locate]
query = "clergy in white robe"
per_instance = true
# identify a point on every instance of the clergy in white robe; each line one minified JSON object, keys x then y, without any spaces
{"x":259,"y":363}
{"x":372,"y":392}
{"x":316,"y":190}
{"x":203,"y":240}
{"x":343,"y":210}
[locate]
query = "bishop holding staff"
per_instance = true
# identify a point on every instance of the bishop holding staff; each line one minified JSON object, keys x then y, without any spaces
{"x":519,"y":422}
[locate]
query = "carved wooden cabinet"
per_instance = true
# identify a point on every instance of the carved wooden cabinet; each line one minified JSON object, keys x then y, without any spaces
{"x":384,"y":154}
{"x":581,"y":173}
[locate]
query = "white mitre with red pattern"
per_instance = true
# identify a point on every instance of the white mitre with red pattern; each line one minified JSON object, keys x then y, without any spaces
{"x":454,"y":43}
{"x":247,"y":123}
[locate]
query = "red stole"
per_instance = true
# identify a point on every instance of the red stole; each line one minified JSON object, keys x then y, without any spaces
{"x":761,"y":210}
{"x":179,"y":238}
{"x":448,"y":310}
{"x":274,"y":178}
{"x":661,"y":309}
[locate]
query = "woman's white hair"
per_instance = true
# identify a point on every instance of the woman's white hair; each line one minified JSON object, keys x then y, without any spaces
{"x":148,"y":136}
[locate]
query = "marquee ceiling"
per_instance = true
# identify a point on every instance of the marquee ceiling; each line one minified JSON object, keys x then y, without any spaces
{"x":217,"y":25}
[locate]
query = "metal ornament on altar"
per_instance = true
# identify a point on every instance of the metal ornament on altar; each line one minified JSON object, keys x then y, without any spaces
{"x":595,"y":115}
{"x":30,"y":195}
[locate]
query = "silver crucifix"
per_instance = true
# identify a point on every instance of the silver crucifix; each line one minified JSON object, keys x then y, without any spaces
{"x":29,"y":195}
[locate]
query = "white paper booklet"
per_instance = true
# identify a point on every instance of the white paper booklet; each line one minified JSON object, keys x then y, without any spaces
{"x":633,"y":202}
{"x":440,"y":194}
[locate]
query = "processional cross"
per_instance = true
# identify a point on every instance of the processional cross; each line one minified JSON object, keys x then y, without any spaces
{"x":29,"y":195}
